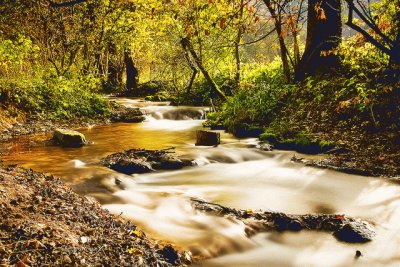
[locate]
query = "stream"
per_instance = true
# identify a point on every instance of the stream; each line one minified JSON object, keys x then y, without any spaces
{"x":235,"y":174}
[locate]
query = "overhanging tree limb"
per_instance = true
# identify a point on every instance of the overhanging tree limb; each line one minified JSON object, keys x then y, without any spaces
{"x":362,"y":31}
{"x":186,"y":44}
{"x":370,"y":24}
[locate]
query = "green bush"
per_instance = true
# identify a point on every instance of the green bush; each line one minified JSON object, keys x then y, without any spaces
{"x":260,"y":96}
{"x":55,"y":97}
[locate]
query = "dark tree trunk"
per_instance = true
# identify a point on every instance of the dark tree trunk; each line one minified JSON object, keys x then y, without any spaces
{"x":237,"y":57}
{"x":190,"y":85}
{"x":324,"y":32}
{"x":115,"y":68}
{"x":276,"y":16}
{"x":194,"y":71}
{"x":237,"y":45}
{"x":132,"y":73}
{"x":296,"y":49}
{"x":186,"y":44}
{"x":112,"y":73}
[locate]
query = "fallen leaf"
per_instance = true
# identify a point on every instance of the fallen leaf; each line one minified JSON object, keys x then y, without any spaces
{"x":84,"y":239}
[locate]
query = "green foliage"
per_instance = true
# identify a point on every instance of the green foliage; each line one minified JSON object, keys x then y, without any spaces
{"x":256,"y":101}
{"x":55,"y":97}
{"x":268,"y":136}
{"x":17,"y":55}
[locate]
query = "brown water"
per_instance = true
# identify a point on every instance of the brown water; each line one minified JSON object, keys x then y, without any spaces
{"x":235,"y":174}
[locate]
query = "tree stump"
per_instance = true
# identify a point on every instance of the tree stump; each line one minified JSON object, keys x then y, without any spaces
{"x":207,"y":138}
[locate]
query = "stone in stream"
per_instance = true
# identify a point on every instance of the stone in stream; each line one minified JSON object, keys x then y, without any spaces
{"x":354,"y":233}
{"x":69,"y":138}
{"x":207,"y":138}
{"x":344,"y":228}
{"x":170,"y":254}
{"x":141,"y":161}
{"x":123,"y":114}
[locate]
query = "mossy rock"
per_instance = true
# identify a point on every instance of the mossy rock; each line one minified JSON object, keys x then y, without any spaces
{"x":69,"y":138}
{"x":302,"y":143}
{"x":326,"y":145}
{"x":268,"y":136}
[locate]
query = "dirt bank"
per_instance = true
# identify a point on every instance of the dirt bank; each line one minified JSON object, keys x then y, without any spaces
{"x":44,"y":223}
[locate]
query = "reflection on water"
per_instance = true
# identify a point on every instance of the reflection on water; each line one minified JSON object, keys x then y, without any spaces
{"x":240,"y":176}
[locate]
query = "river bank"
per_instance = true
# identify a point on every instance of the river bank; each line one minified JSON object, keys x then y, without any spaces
{"x":359,"y":129}
{"x":47,"y":224}
{"x":31,"y":124}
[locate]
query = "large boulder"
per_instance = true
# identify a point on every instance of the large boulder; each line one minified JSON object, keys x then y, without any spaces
{"x":124,"y":114}
{"x":207,"y":138}
{"x":141,"y":161}
{"x":69,"y":138}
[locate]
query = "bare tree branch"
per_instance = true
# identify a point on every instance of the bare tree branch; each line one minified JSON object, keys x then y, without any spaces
{"x":362,"y":31}
{"x":371,"y":24}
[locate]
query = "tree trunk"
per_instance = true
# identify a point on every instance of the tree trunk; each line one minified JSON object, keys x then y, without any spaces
{"x":132,"y":73}
{"x":324,"y":32}
{"x":214,"y":87}
{"x":194,"y":73}
{"x":189,"y":87}
{"x":296,"y":49}
{"x":278,"y":26}
{"x":112,"y":73}
{"x":237,"y":57}
{"x":237,"y":45}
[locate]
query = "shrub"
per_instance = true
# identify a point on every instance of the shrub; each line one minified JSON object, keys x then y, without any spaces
{"x":56,"y":97}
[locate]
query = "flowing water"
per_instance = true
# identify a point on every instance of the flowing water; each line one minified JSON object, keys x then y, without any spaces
{"x":235,"y":174}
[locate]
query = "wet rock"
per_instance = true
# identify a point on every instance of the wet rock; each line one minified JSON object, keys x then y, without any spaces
{"x":355,"y":233}
{"x":295,"y":225}
{"x":344,"y":228}
{"x":337,"y":164}
{"x":141,"y":161}
{"x":170,"y":254}
{"x":264,"y":146}
{"x":131,"y":115}
{"x":129,"y":165}
{"x":358,"y":254}
{"x":69,"y":138}
{"x":207,"y":138}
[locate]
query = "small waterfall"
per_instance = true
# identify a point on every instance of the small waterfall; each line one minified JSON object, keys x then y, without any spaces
{"x":176,"y":113}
